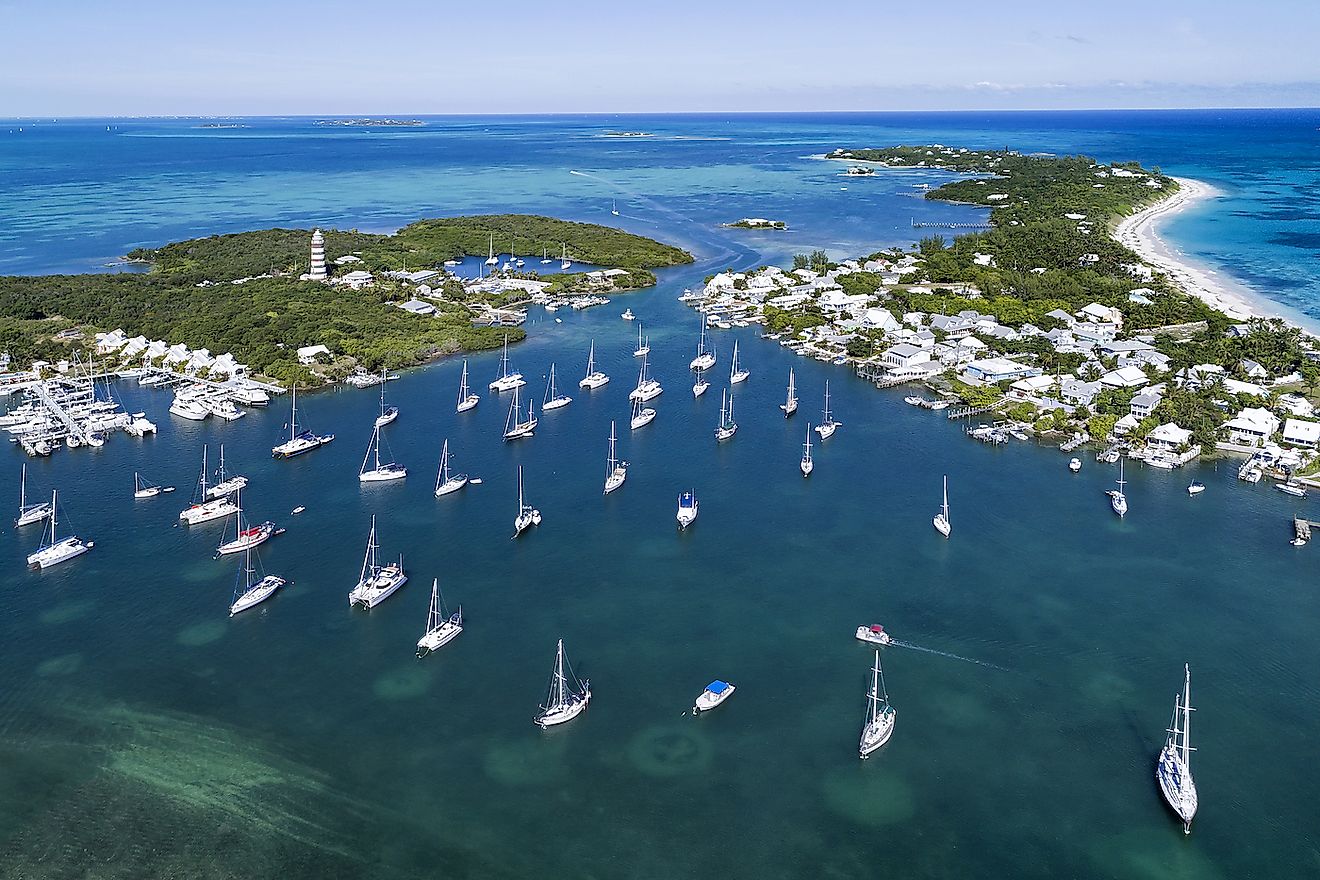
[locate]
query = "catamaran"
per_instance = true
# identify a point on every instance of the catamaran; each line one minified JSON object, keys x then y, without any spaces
{"x":594,"y":378}
{"x":643,"y":345}
{"x":736,"y":375}
{"x":204,"y":510}
{"x":507,"y":381}
{"x":615,"y":471}
{"x":244,"y":538}
{"x":466,"y":399}
{"x":380,"y":472}
{"x":880,"y":716}
{"x":647,"y":388}
{"x":527,"y":515}
{"x":789,"y":406}
{"x":225,"y":485}
{"x":807,"y":464}
{"x":704,"y":359}
{"x":56,"y":550}
{"x":441,"y":628}
{"x":567,"y":696}
{"x":492,"y":260}
{"x":299,"y":442}
{"x":376,"y":583}
{"x":700,"y":386}
{"x":727,"y":426}
{"x":515,"y":426}
{"x":1173,"y":769}
{"x":29,"y":513}
{"x":387,"y":413}
{"x":687,"y":509}
{"x":247,"y":590}
{"x":144,"y":489}
{"x":553,"y":399}
{"x":828,"y":426}
{"x":641,"y":415}
{"x":715,"y":693}
{"x":445,"y":482}
{"x":1117,"y":500}
{"x":942,"y":518}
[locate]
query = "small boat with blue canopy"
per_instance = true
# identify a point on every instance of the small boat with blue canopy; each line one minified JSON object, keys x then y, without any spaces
{"x":715,"y":693}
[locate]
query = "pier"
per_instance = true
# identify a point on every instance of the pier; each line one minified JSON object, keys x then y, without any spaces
{"x":935,"y":224}
{"x":962,"y":412}
{"x":57,"y":409}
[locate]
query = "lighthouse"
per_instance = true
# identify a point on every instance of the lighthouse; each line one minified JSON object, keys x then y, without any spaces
{"x":317,"y":271}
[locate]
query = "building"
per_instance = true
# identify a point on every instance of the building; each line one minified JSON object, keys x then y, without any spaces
{"x":317,"y":270}
{"x":417,"y":307}
{"x":1169,"y":437}
{"x":988,"y":371}
{"x":1127,"y":377}
{"x":904,"y":355}
{"x":1297,"y":432}
{"x":307,"y":354}
{"x":1251,"y":427}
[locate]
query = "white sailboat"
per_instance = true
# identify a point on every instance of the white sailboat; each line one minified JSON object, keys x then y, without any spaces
{"x":1173,"y":768}
{"x":687,"y":509}
{"x":528,"y":516}
{"x":616,"y":471}
{"x":299,"y":442}
{"x":247,"y":590}
{"x":244,"y":538}
{"x":507,"y":380}
{"x":545,"y":256}
{"x":807,"y":464}
{"x":492,"y":260}
{"x":647,"y":388}
{"x":594,"y":378}
{"x":553,"y":399}
{"x":641,"y":415}
{"x":1117,"y":500}
{"x":736,"y":375}
{"x":643,"y":345}
{"x":387,"y":413}
{"x":789,"y":406}
{"x":144,"y":489}
{"x":614,"y":207}
{"x":441,"y":628}
{"x":29,"y":513}
{"x":564,"y":262}
{"x":828,"y":426}
{"x":700,"y":386}
{"x":567,"y":696}
{"x":376,"y":582}
{"x":380,"y":472}
{"x":466,"y":399}
{"x":445,"y":482}
{"x":515,"y":425}
{"x":225,"y":485}
{"x":54,"y":550}
{"x":727,"y":426}
{"x":941,"y":520}
{"x":204,"y":510}
{"x":880,"y":716}
{"x":704,"y":359}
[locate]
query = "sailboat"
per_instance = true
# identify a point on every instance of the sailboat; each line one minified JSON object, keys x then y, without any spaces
{"x":553,"y":399}
{"x":225,"y":485}
{"x":807,"y":464}
{"x":380,"y":472}
{"x":492,"y":260}
{"x":204,"y":510}
{"x":298,"y":443}
{"x":55,"y":550}
{"x":942,"y":518}
{"x":700,"y":386}
{"x":614,"y":207}
{"x":727,"y":426}
{"x":1173,"y":768}
{"x":376,"y":583}
{"x":445,"y":482}
{"x":615,"y":471}
{"x":244,"y":538}
{"x":527,"y":515}
{"x":466,"y":399}
{"x":789,"y":406}
{"x":249,"y":592}
{"x":144,"y":489}
{"x":545,"y":256}
{"x":704,"y":359}
{"x":647,"y":388}
{"x":1117,"y":500}
{"x":641,"y":415}
{"x":567,"y":696}
{"x":736,"y":375}
{"x":507,"y":381}
{"x":441,"y":628}
{"x":564,"y":262}
{"x":828,"y":426}
{"x":29,"y":513}
{"x":687,"y":509}
{"x":387,"y":413}
{"x":643,"y":345}
{"x":880,"y":716}
{"x":594,"y":378}
{"x":514,"y":425}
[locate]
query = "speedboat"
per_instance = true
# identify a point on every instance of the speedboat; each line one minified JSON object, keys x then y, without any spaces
{"x":687,"y":509}
{"x":628,"y":315}
{"x":1290,"y":488}
{"x":1075,"y":465}
{"x":1196,"y":487}
{"x":715,"y":693}
{"x":875,"y":634}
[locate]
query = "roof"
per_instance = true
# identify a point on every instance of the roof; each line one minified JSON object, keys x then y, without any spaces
{"x":717,"y":686}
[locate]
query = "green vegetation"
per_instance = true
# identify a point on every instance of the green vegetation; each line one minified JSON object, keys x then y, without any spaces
{"x":754,"y":223}
{"x":579,"y":282}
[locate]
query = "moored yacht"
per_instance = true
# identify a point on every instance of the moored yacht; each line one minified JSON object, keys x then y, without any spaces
{"x":1196,"y":487}
{"x":54,"y":550}
{"x":248,"y":591}
{"x":29,"y":513}
{"x":628,"y":315}
{"x":225,"y":484}
{"x":204,"y":510}
{"x":567,"y":696}
{"x":807,"y":465}
{"x":445,"y":482}
{"x":704,"y":359}
{"x":507,"y":380}
{"x":790,"y":405}
{"x":942,"y":518}
{"x":387,"y":413}
{"x":727,"y":426}
{"x":380,"y":472}
{"x":1075,"y":465}
{"x":687,"y":509}
{"x":1117,"y":500}
{"x":643,"y":345}
{"x":188,"y":408}
{"x":299,"y":442}
{"x":441,"y":628}
{"x":828,"y":426}
{"x":715,"y":693}
{"x":144,"y":489}
{"x":616,"y":471}
{"x":736,"y":373}
{"x":647,"y":388}
{"x":1173,"y":768}
{"x":376,"y":582}
{"x":641,"y":415}
{"x":700,"y":386}
{"x":880,"y":716}
{"x":466,"y":399}
{"x":515,"y":425}
{"x":594,"y":378}
{"x":245,"y":538}
{"x":528,"y":516}
{"x":553,"y":399}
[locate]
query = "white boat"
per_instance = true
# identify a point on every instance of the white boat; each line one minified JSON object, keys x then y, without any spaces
{"x":594,"y":378}
{"x":441,"y":628}
{"x":942,"y":518}
{"x":144,"y":489}
{"x":1297,"y":490}
{"x":492,"y":260}
{"x":790,"y":405}
{"x":466,"y":399}
{"x":647,"y":388}
{"x":880,"y":716}
{"x":643,"y":345}
{"x":614,"y":208}
{"x":1117,"y":500}
{"x":567,"y":696}
{"x":248,"y":591}
{"x":55,"y":550}
{"x":299,"y":442}
{"x":545,"y":256}
{"x":564,"y":262}
{"x":528,"y":516}
{"x":515,"y":425}
{"x":700,"y":386}
{"x":205,"y":509}
{"x":376,"y":582}
{"x":736,"y":375}
{"x":387,"y":413}
{"x":641,"y":415}
{"x":687,"y":509}
{"x":186,"y":408}
{"x":1075,"y":465}
{"x":225,"y":485}
{"x":807,"y":465}
{"x":380,"y":472}
{"x":704,"y":359}
{"x":29,"y":513}
{"x":553,"y":399}
{"x":221,"y":408}
{"x":628,"y":315}
{"x":250,"y":396}
{"x":297,"y":510}
{"x":828,"y":426}
{"x":727,"y":426}
{"x":874,"y":634}
{"x":1173,"y":768}
{"x":616,"y":471}
{"x":1196,"y":487}
{"x":507,"y":380}
{"x":244,"y":538}
{"x":715,"y":693}
{"x":445,"y":482}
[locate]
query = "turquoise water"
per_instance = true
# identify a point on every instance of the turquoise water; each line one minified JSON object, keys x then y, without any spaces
{"x":144,"y":732}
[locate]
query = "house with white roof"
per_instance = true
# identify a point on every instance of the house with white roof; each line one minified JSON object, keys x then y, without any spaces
{"x":133,"y":348}
{"x":200,"y":360}
{"x":1251,"y":389}
{"x":1298,"y":432}
{"x":1169,"y":437}
{"x":1078,"y":393}
{"x":112,"y":341}
{"x":1143,"y":404}
{"x":1126,"y":425}
{"x":1099,"y":314}
{"x":417,"y":307}
{"x":156,"y":349}
{"x":227,"y":365}
{"x":1061,"y":315}
{"x":988,"y":371}
{"x":904,"y":355}
{"x":307,"y":354}
{"x":1251,"y":427}
{"x":1031,"y":386}
{"x":1253,"y":369}
{"x":1297,"y":405}
{"x":880,"y":319}
{"x":1088,"y":332}
{"x":177,"y":354}
{"x":1127,"y":377}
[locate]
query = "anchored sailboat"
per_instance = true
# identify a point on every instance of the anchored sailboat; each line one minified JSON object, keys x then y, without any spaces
{"x":567,"y":696}
{"x":492,"y":260}
{"x":828,"y":426}
{"x":641,"y":415}
{"x":54,"y":550}
{"x":807,"y":464}
{"x":445,"y":482}
{"x":647,"y":388}
{"x":736,"y":375}
{"x":700,"y":386}
{"x":704,"y":359}
{"x":594,"y":378}
{"x":1117,"y":500}
{"x":507,"y":380}
{"x":244,"y":538}
{"x":1173,"y":768}
{"x":29,"y":513}
{"x":790,"y":405}
{"x":528,"y":516}
{"x":203,"y":510}
{"x":387,"y":413}
{"x":727,"y":426}
{"x":615,"y":471}
{"x":564,"y":262}
{"x":553,"y":399}
{"x":144,"y":489}
{"x":380,"y":472}
{"x":466,"y":399}
{"x":441,"y":628}
{"x":247,"y":590}
{"x":515,"y":426}
{"x":298,"y":443}
{"x":643,"y":345}
{"x":376,"y":582}
{"x":880,"y":716}
{"x":941,"y":520}
{"x":225,"y":484}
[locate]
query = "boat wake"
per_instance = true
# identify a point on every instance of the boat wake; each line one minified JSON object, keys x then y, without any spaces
{"x":898,"y":644}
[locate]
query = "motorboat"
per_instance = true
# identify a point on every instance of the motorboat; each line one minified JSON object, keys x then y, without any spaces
{"x":1196,"y":487}
{"x":186,"y":408}
{"x":628,"y":315}
{"x":874,"y":634}
{"x":1075,"y":465}
{"x":687,"y":509}
{"x":715,"y":693}
{"x":1297,"y":490}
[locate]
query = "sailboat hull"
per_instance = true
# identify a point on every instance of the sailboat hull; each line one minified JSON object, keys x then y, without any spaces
{"x":467,"y":404}
{"x":556,"y":403}
{"x":595,"y":380}
{"x":1176,"y":785}
{"x":453,"y":484}
{"x":438,"y":637}
{"x":942,"y":525}
{"x":383,"y":474}
{"x":258,"y":593}
{"x":34,"y":514}
{"x":877,"y":733}
{"x":60,"y":551}
{"x":789,"y":408}
{"x":375,"y":589}
{"x":571,"y":709}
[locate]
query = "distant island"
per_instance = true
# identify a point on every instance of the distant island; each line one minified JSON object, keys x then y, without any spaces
{"x":222,"y":125}
{"x":375,"y":123}
{"x":756,"y":223}
{"x":626,"y":134}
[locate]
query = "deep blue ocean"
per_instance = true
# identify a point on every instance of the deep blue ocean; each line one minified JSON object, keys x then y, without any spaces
{"x":145,"y":734}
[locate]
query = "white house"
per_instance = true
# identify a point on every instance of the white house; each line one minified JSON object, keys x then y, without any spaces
{"x":1301,"y":433}
{"x":1169,"y":437}
{"x":1078,"y":393}
{"x":177,"y":354}
{"x":1144,"y":403}
{"x":904,"y":355}
{"x":991,"y":370}
{"x":880,"y":319}
{"x":417,"y":307}
{"x":1252,"y":426}
{"x":1099,"y":314}
{"x":112,"y":341}
{"x":307,"y":354}
{"x":133,"y":348}
{"x":226,"y":365}
{"x":1031,"y":386}
{"x":1127,"y":377}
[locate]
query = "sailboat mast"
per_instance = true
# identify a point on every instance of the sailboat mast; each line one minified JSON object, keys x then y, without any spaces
{"x":946,"y":497}
{"x":54,"y":506}
{"x":559,"y":674}
{"x":293,"y":414}
{"x":22,"y":490}
{"x":433,"y":618}
{"x":1186,"y":715}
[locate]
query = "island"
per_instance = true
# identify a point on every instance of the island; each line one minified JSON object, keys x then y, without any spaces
{"x":626,"y":134}
{"x":375,"y":123}
{"x":756,"y":223}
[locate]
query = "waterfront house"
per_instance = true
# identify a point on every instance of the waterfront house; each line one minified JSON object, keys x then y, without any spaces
{"x":307,"y":354}
{"x":904,"y":355}
{"x":227,"y":365}
{"x":177,"y":354}
{"x":1297,"y":405}
{"x":1031,"y":386}
{"x":1078,"y":393}
{"x":133,"y":348}
{"x":1144,"y":404}
{"x":1251,"y":427}
{"x":1126,"y":425}
{"x":1298,"y":432}
{"x":112,"y":341}
{"x":992,"y":370}
{"x":1168,"y":438}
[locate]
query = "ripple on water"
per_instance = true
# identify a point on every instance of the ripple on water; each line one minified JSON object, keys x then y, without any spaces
{"x":201,"y":633}
{"x":65,"y":664}
{"x":869,"y":794}
{"x":66,"y":612}
{"x":667,"y":750}
{"x":403,"y":683}
{"x":531,"y":760}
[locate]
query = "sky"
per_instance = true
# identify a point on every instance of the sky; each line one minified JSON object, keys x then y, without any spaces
{"x":243,"y":57}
